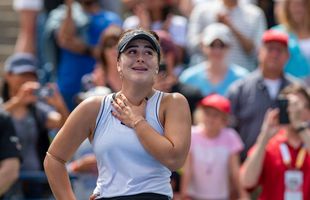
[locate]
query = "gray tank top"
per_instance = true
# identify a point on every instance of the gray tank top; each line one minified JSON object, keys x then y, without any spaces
{"x":124,"y":166}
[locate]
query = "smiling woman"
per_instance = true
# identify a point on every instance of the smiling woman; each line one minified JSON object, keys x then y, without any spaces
{"x":139,"y":134}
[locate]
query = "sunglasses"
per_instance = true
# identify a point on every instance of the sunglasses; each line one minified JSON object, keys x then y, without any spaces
{"x":217,"y":45}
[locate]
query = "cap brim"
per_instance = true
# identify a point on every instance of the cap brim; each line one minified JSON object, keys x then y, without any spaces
{"x":24,"y":69}
{"x":126,"y":41}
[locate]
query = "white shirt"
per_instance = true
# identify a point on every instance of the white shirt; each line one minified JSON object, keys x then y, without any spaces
{"x":273,"y":87}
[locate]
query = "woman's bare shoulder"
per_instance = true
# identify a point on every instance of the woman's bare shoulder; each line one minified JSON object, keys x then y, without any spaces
{"x":90,"y":106}
{"x":173,"y":98}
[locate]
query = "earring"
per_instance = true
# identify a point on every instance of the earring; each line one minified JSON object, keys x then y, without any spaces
{"x":120,"y":74}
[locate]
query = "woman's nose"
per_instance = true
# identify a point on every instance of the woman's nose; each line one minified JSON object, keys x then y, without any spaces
{"x":140,"y":57}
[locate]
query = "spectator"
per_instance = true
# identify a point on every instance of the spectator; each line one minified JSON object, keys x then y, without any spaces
{"x":28,"y":11}
{"x":216,"y":72}
{"x":105,"y":73}
{"x":280,"y":159}
{"x":167,"y":78}
{"x":77,"y":28}
{"x":211,"y":170}
{"x":246,"y":21}
{"x":9,"y":153}
{"x":32,"y":117}
{"x":158,"y":15}
{"x":253,"y":95}
{"x":294,"y":19}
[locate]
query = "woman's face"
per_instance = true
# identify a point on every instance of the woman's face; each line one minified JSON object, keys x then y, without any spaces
{"x":216,"y":51}
{"x":139,"y":62}
{"x":297,"y":9}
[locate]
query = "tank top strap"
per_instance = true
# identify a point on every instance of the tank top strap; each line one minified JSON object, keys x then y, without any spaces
{"x":102,"y":110}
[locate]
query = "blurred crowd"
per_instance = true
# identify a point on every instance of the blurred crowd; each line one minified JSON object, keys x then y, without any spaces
{"x":234,"y":60}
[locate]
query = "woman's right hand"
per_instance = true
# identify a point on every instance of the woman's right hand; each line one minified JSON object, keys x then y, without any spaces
{"x":126,"y":112}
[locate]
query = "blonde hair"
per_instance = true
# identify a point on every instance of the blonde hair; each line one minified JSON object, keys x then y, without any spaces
{"x":286,"y":19}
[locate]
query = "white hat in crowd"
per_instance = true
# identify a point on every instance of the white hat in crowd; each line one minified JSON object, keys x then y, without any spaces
{"x":216,"y":31}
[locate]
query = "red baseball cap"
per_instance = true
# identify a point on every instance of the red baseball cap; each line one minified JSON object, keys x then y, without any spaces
{"x":216,"y":101}
{"x":275,"y":36}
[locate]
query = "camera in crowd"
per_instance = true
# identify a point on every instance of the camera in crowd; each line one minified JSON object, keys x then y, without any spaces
{"x":44,"y":92}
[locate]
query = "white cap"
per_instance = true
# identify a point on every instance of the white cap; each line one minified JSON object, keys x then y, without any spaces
{"x":19,"y":63}
{"x":216,"y":31}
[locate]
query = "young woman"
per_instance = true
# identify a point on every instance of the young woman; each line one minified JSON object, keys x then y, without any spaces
{"x":139,"y":135}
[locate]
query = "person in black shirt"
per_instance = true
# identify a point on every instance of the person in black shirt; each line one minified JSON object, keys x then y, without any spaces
{"x":9,"y":153}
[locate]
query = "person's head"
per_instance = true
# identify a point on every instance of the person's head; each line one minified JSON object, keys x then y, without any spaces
{"x":292,"y":13}
{"x":108,"y":46}
{"x":167,"y":76}
{"x":273,"y":53}
{"x":299,"y":97}
{"x":138,"y":55}
{"x":216,"y":110}
{"x":18,"y":69}
{"x":215,"y":42}
{"x":169,"y":51}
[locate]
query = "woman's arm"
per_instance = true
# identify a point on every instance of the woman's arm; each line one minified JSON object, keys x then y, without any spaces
{"x":77,"y":128}
{"x":170,"y":149}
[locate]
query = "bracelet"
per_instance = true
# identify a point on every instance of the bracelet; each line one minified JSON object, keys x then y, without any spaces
{"x":137,"y":122}
{"x":56,"y":158}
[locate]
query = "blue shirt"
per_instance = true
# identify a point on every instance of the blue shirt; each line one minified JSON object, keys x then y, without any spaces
{"x":196,"y":76}
{"x":73,"y":66}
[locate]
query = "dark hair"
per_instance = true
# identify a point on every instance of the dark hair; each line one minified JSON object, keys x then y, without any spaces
{"x":297,"y":89}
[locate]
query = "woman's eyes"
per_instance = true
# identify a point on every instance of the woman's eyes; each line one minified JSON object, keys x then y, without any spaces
{"x":132,"y":51}
{"x":146,"y":52}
